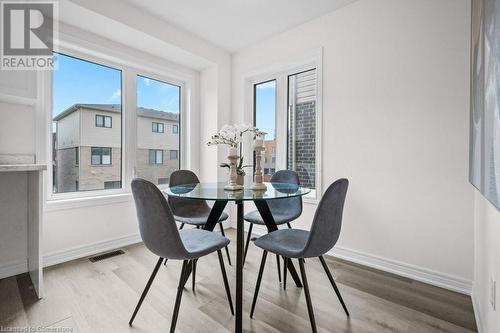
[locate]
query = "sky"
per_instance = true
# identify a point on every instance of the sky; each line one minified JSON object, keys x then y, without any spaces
{"x":265,"y":108}
{"x":77,"y":81}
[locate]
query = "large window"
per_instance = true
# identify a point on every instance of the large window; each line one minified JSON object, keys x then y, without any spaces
{"x":287,"y":105}
{"x":302,"y":94}
{"x":265,"y":120}
{"x":158,"y":124}
{"x":86,"y":131}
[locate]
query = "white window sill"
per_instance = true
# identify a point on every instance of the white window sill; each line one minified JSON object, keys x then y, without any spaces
{"x":56,"y":204}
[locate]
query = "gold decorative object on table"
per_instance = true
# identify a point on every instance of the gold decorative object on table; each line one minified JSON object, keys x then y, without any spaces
{"x":258,"y":146}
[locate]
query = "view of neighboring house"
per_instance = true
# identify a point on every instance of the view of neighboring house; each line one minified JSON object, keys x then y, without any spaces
{"x":269,"y":159}
{"x":88,"y":150}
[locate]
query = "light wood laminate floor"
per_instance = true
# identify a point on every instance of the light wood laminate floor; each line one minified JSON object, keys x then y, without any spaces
{"x":100,"y":297}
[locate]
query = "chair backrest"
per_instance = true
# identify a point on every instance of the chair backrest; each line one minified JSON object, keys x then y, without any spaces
{"x":185,"y":207}
{"x":290,"y":207}
{"x":325,"y":229}
{"x":156,"y":222}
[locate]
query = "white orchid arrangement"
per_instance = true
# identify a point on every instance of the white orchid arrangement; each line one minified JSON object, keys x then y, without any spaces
{"x":232,"y":136}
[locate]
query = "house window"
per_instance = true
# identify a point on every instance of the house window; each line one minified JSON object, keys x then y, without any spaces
{"x":159,"y":104}
{"x":301,"y":136}
{"x":158,"y":127}
{"x":103,"y":121}
{"x":100,"y":156}
{"x":86,"y":96}
{"x":113,"y":184}
{"x":174,"y":154}
{"x":155,"y":156}
{"x":265,"y":119}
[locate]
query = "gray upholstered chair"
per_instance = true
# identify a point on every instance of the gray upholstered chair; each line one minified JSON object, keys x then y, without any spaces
{"x":300,"y":244}
{"x":283,"y":210}
{"x":192,"y":212}
{"x":160,"y":235}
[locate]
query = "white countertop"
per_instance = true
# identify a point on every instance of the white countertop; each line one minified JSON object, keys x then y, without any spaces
{"x":22,"y":167}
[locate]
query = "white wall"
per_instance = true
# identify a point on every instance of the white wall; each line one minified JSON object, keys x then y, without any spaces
{"x":487,"y":263}
{"x":395,"y":122}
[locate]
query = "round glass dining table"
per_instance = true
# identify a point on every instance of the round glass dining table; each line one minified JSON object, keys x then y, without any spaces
{"x":216,"y":192}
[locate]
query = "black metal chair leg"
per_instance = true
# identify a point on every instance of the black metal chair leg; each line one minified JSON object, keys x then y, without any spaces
{"x":144,"y":293}
{"x":308,"y":295}
{"x":289,"y":226}
{"x":279,"y":268}
{"x":193,"y":277}
{"x":259,"y":279}
{"x":178,"y":297}
{"x":285,"y":261}
{"x":227,"y":249}
{"x":249,"y":235}
{"x":334,"y":285}
{"x":226,"y":284}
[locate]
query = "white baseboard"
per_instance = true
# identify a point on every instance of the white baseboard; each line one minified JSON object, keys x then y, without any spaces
{"x":416,"y":273}
{"x":477,"y":312}
{"x":12,"y":268}
{"x":86,"y":250}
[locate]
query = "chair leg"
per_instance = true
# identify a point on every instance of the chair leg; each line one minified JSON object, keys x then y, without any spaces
{"x":334,"y":285}
{"x":279,"y":267}
{"x":193,"y":276}
{"x":226,"y":284}
{"x":259,"y":279}
{"x":227,"y":249}
{"x":249,"y":235}
{"x":144,"y":293}
{"x":308,"y":295}
{"x":285,"y":263}
{"x":178,"y":297}
{"x":289,"y":226}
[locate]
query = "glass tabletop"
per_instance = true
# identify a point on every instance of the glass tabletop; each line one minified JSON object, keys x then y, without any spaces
{"x":215,"y":191}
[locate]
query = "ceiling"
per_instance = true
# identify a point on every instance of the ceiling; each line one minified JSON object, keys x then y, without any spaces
{"x":235,"y":24}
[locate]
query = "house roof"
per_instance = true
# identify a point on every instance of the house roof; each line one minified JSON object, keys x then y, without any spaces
{"x":142,"y":112}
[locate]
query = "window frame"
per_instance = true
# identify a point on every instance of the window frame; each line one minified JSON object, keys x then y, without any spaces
{"x":280,"y":72}
{"x":175,"y":129}
{"x":155,"y":152}
{"x":130,"y":65}
{"x":103,"y":119}
{"x":176,"y":155}
{"x":157,"y":127}
{"x":101,"y":156}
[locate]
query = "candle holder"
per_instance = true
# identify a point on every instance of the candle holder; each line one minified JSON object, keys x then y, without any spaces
{"x":233,"y":176}
{"x":258,"y":184}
